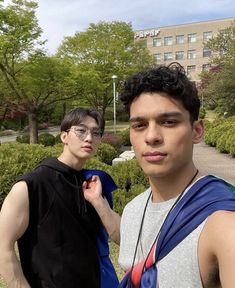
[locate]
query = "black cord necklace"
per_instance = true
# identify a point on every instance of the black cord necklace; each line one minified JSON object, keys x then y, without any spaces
{"x":142,"y":221}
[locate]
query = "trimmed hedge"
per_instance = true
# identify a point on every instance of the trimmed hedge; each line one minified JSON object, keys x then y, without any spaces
{"x":125,"y":136}
{"x":221,"y":134}
{"x":106,"y":153}
{"x":17,"y":159}
{"x":46,"y":139}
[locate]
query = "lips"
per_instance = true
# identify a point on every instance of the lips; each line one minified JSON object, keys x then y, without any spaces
{"x":87,"y":148}
{"x":154,"y":156}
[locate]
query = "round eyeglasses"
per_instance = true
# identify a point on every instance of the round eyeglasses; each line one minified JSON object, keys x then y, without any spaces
{"x":82,"y":132}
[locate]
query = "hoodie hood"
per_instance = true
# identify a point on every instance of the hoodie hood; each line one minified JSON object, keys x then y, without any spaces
{"x":73,"y":177}
{"x":59,"y":166}
{"x":108,"y":185}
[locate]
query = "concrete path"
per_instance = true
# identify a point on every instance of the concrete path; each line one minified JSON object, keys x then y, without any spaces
{"x":209,"y":161}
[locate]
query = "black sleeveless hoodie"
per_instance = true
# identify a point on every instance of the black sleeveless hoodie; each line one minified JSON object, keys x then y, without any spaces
{"x":58,"y":249}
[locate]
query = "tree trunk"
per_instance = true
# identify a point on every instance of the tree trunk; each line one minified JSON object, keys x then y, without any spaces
{"x":33,"y":127}
{"x":4,"y":116}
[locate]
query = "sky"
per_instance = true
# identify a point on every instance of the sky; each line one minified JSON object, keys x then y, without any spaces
{"x":60,"y":18}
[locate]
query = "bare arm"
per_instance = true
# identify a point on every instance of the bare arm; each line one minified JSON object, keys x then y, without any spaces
{"x":220,"y":236}
{"x":14,"y":217}
{"x":111,"y":220}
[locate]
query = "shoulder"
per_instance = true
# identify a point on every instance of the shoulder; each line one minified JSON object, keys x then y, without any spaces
{"x":17,"y":198}
{"x":219,"y":231}
{"x":40,"y":173}
{"x":222,"y":221}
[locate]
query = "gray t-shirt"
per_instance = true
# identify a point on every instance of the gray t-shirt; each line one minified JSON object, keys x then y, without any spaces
{"x":179,"y":269}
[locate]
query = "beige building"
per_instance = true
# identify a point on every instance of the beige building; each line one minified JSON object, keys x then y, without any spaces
{"x":183,"y":43}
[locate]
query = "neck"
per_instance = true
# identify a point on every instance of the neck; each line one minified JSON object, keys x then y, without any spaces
{"x":164,"y":189}
{"x":72,"y":162}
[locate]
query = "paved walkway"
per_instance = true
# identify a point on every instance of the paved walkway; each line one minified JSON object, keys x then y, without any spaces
{"x":209,"y":161}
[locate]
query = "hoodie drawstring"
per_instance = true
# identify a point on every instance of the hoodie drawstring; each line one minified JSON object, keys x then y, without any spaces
{"x":81,"y":202}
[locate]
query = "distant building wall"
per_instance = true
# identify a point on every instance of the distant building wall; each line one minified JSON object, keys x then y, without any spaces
{"x":183,"y":43}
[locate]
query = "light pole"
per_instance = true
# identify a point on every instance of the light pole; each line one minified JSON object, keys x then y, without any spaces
{"x":114,"y":77}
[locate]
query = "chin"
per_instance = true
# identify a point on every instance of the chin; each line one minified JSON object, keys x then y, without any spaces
{"x":155,"y":172}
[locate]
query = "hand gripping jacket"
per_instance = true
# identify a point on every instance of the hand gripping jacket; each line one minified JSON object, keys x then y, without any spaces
{"x":108,"y":275}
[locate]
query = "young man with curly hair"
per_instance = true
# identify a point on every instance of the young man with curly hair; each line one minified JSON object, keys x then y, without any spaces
{"x":180,"y":232}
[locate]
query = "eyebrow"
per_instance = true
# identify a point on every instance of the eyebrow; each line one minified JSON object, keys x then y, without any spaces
{"x":85,"y":126}
{"x":162,"y":115}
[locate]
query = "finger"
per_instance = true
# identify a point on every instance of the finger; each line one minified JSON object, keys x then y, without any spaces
{"x":94,"y":178}
{"x":85,"y":185}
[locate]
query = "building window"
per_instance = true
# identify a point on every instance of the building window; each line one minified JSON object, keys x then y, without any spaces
{"x":207,"y":35}
{"x":157,"y":57}
{"x":206,"y":52}
{"x":179,"y":55}
{"x":191,"y":69}
{"x":168,"y":40}
{"x":192,"y":54}
{"x":179,"y":39}
{"x":156,"y":42}
{"x":206,"y":67}
{"x":192,"y":38}
{"x":167,"y":56}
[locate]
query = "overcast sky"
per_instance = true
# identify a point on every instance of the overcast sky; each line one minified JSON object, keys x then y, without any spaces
{"x":59,"y":18}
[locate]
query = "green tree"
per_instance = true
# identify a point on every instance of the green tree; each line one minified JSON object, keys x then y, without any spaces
{"x":30,"y":79}
{"x":218,"y":85}
{"x":223,"y":46}
{"x":103,"y":50}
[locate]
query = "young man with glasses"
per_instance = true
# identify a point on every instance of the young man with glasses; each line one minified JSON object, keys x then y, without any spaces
{"x":61,"y":240}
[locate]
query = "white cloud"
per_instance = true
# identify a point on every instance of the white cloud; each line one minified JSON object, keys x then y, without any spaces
{"x":59,"y":18}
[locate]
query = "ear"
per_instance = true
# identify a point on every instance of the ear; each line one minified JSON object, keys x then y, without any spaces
{"x":64,"y":137}
{"x":198,"y":131}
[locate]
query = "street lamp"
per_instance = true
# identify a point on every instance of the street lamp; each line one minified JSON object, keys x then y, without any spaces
{"x":114,"y":77}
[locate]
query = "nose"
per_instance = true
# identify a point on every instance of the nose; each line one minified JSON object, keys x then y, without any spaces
{"x":88,"y":136}
{"x":153,"y":135}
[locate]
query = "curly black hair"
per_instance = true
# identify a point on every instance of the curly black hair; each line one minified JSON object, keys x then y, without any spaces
{"x":170,"y":79}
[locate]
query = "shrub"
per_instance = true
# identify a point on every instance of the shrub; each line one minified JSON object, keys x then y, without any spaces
{"x":95,"y":163}
{"x":113,"y":140}
{"x":106,"y":153}
{"x":232,"y":148}
{"x":214,"y":132}
{"x":202,"y":113}
{"x":221,"y":142}
{"x":46,"y":139}
{"x":221,"y":134}
{"x":127,"y":174}
{"x":25,"y":138}
{"x":57,"y":139}
{"x":17,"y":159}
{"x":125,"y":136}
{"x":121,"y":197}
